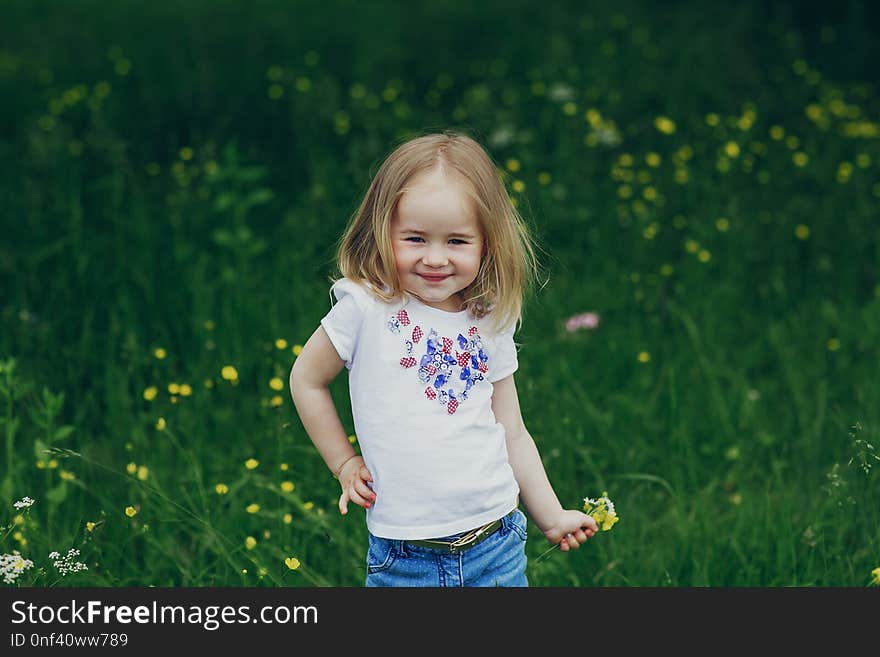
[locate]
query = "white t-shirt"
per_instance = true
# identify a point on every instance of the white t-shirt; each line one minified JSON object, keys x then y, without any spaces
{"x":420,"y":381}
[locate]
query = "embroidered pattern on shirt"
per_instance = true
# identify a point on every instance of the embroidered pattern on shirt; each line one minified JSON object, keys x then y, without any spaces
{"x":450,"y":368}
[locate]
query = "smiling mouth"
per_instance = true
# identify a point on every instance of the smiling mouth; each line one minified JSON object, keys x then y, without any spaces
{"x":434,"y":278}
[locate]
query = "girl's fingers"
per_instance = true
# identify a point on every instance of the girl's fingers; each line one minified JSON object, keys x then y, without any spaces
{"x":343,"y":503}
{"x":357,"y":498}
{"x":364,"y":491}
{"x":570,"y":542}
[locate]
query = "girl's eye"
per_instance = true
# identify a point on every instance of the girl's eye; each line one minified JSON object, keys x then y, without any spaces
{"x":411,"y":239}
{"x":458,"y":241}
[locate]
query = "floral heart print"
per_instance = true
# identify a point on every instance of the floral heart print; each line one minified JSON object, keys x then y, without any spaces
{"x":450,"y":368}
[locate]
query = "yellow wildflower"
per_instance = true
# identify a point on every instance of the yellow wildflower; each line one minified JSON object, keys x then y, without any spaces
{"x":150,"y":393}
{"x":130,"y":511}
{"x":160,"y":353}
{"x":250,"y":542}
{"x":229,"y":373}
{"x":276,"y":383}
{"x":609,"y":521}
{"x":221,"y":489}
{"x":281,"y":343}
{"x":251,"y":463}
{"x":252,"y":508}
{"x":664,"y":125}
{"x":602,"y":511}
{"x":287,"y":486}
{"x":292,"y":563}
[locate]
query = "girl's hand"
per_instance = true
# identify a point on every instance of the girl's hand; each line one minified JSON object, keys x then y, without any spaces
{"x":571,"y":528}
{"x":354,"y":478}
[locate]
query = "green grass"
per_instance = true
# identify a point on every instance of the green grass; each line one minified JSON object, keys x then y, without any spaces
{"x":176,"y":178}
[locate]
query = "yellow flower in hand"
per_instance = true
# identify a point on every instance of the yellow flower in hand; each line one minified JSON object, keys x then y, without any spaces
{"x":602,"y":511}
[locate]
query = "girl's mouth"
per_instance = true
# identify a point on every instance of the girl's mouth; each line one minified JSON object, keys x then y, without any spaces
{"x":434,"y":279}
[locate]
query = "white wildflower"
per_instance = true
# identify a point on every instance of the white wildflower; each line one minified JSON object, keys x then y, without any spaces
{"x":24,"y":503}
{"x":560,"y":92}
{"x":502,"y":136}
{"x":12,"y":566}
{"x":607,"y":135}
{"x":68,"y":563}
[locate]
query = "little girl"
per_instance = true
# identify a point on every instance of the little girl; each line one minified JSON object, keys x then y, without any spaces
{"x":433,"y":268}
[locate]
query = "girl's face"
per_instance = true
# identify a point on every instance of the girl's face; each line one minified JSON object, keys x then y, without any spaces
{"x":437,"y":241}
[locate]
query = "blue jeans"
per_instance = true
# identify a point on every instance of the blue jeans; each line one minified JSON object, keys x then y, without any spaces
{"x":500,"y":560}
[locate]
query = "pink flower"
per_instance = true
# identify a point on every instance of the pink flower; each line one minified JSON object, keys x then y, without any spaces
{"x":584,"y":320}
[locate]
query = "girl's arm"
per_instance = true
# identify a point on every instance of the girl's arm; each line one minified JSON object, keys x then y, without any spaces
{"x":535,"y":490}
{"x":316,"y":366}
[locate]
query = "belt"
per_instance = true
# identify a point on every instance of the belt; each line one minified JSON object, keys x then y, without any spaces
{"x":467,"y":540}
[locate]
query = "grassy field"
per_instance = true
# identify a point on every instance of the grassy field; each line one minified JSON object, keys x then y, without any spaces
{"x":704,"y":178}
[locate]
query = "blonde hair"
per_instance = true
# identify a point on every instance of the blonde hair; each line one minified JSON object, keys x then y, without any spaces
{"x":509,"y":267}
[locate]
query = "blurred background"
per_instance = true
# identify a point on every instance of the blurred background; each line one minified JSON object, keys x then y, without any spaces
{"x":703,"y":179}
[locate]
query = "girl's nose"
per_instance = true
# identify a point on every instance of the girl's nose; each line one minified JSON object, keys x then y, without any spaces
{"x":435,"y":257}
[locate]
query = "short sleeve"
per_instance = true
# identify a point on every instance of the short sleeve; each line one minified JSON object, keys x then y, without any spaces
{"x":505,"y":358}
{"x":343,"y":323}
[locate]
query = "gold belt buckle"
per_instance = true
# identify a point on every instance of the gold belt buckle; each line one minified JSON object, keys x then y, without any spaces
{"x":469,"y":538}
